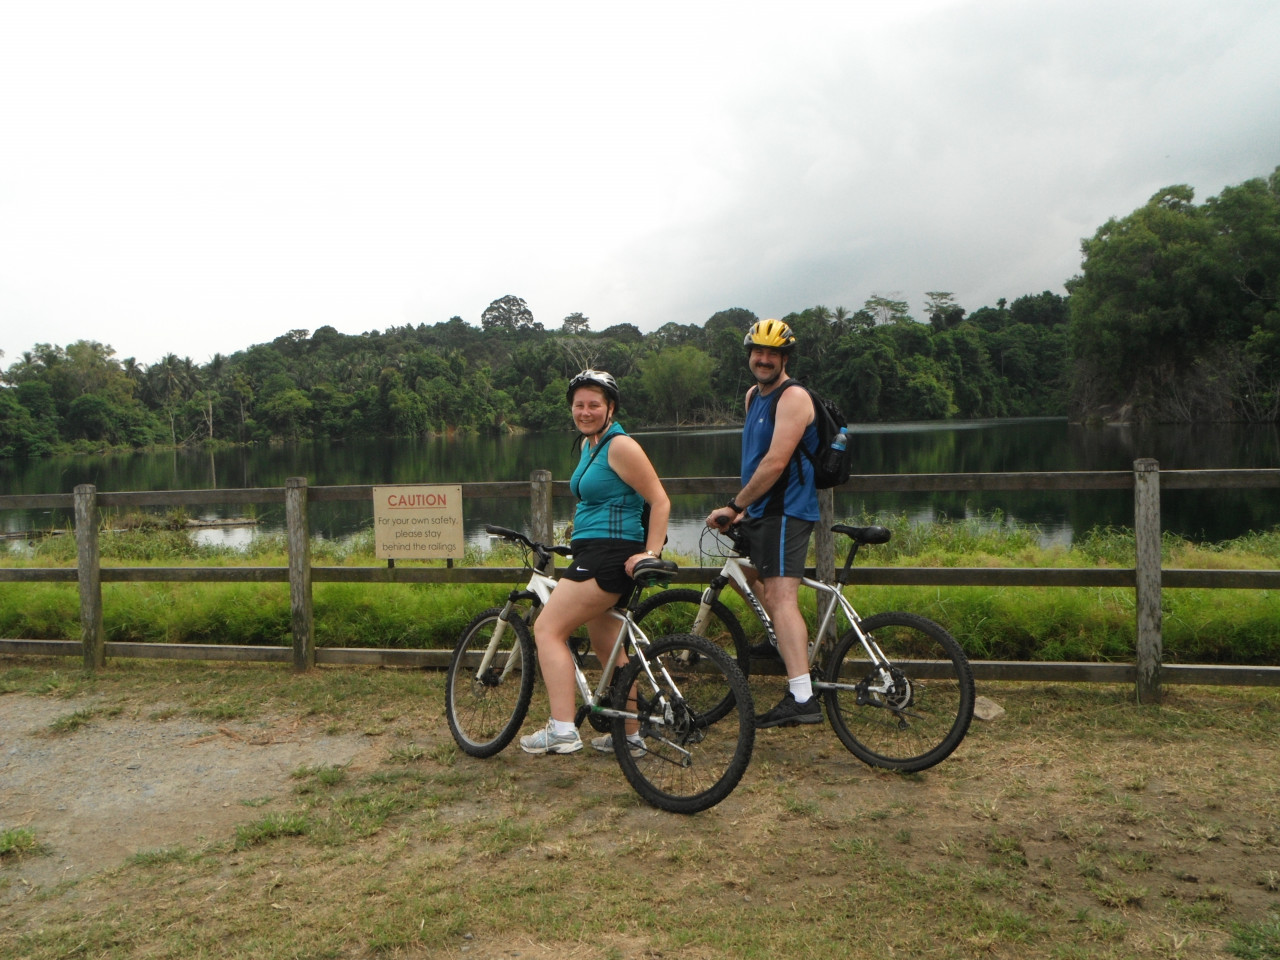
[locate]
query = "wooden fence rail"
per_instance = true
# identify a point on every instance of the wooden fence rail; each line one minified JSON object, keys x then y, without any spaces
{"x":1146,"y":578}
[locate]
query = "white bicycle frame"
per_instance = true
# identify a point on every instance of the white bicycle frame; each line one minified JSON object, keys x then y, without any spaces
{"x":539,"y":589}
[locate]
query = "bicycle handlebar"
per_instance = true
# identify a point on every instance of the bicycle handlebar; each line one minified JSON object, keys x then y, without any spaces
{"x":651,"y":569}
{"x":541,"y":550}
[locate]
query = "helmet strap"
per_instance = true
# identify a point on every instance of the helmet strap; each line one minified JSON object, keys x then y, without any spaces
{"x":608,"y":422}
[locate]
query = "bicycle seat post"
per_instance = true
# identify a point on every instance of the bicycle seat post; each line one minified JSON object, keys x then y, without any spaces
{"x":842,"y":578}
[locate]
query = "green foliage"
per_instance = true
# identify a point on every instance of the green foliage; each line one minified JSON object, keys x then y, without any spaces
{"x":676,"y":380}
{"x":1086,"y":624}
{"x":1256,"y":941}
{"x":510,"y":374}
{"x":1175,"y":312}
{"x":40,"y":611}
{"x":16,"y":841}
{"x":270,"y":827}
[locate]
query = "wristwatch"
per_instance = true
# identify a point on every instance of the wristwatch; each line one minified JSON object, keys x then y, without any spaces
{"x":733,"y":506}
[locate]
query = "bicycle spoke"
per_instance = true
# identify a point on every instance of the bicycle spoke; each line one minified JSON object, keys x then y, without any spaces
{"x":485,"y":707}
{"x":696,"y":749}
{"x":910,"y":713}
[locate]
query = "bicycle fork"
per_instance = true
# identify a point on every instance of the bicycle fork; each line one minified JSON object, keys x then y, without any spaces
{"x":495,"y":642}
{"x":709,"y":596}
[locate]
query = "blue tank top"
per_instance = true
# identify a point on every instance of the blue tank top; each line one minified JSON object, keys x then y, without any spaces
{"x":607,"y":507}
{"x":794,"y":494}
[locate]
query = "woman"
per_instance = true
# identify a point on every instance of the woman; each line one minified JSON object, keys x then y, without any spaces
{"x":613,"y":481}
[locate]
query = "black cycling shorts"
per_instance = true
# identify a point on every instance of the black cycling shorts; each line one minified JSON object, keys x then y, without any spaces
{"x":604,"y":561}
{"x":778,"y":545}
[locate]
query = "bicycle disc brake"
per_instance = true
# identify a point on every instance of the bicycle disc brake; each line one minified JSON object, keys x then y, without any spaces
{"x":678,"y":729}
{"x":894,"y":693}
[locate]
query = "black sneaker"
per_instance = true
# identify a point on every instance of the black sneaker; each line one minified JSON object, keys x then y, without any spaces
{"x":764,"y":650}
{"x":788,"y":713}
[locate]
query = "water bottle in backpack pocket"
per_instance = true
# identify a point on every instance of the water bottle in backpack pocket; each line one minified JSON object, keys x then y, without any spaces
{"x":832,"y":466}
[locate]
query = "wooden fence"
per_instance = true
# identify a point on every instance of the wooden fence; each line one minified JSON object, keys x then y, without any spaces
{"x":1146,"y":578}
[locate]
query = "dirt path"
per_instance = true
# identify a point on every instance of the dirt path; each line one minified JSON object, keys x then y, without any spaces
{"x":116,"y":785}
{"x":1170,"y":822}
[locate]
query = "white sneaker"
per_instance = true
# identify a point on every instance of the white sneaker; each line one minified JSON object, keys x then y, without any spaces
{"x":605,"y":745}
{"x":544,"y":741}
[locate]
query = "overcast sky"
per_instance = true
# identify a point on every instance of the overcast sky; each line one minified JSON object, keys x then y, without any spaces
{"x":195,"y":177}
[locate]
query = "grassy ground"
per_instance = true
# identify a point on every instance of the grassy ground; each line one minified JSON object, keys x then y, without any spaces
{"x":1078,"y":825}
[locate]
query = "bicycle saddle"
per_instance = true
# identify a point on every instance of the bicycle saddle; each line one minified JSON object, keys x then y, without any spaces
{"x":864,"y":535}
{"x":653,"y":570}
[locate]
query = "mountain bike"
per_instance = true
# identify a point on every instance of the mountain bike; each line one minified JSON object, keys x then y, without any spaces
{"x":897,"y":687}
{"x":692,"y":703}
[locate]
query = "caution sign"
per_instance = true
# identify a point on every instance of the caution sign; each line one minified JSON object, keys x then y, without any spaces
{"x":418,"y":523}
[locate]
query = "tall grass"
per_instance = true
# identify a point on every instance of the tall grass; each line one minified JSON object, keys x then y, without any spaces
{"x":1013,"y":623}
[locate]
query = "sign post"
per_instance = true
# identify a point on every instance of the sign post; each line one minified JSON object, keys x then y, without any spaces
{"x":418,"y":522}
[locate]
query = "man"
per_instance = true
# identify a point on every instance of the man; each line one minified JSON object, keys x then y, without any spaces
{"x":777,"y":508}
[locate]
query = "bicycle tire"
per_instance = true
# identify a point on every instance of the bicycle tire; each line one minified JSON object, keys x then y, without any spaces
{"x":674,"y":611}
{"x":485,"y":714}
{"x":692,"y":762}
{"x":926,"y":711}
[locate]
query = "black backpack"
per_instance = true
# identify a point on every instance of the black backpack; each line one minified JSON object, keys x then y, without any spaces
{"x":831,"y":461}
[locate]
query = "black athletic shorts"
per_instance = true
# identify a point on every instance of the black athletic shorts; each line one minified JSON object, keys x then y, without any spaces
{"x":604,"y":561}
{"x":778,"y":545}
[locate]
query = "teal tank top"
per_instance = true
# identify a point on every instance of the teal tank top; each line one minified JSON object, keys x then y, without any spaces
{"x":607,"y":507}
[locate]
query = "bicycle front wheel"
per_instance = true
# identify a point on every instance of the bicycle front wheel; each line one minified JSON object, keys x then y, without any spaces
{"x":695,"y":751}
{"x":676,"y":611}
{"x":486,"y":706}
{"x":911,"y":714}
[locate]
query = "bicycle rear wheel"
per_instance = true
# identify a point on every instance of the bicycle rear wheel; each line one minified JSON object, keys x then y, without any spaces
{"x":676,"y":612}
{"x":485,"y":710}
{"x":695,"y":751}
{"x":910,"y":716}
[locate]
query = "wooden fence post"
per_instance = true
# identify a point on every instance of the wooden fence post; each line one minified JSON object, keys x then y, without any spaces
{"x":89,"y":573}
{"x":298,"y":533}
{"x":824,"y":541}
{"x":541,"y":526}
{"x":1146,"y":534}
{"x":824,"y":547}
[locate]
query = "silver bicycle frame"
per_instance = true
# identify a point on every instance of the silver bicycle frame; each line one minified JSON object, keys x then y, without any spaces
{"x":734,"y":570}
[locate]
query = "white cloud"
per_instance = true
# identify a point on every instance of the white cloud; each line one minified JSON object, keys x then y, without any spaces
{"x":198,"y":177}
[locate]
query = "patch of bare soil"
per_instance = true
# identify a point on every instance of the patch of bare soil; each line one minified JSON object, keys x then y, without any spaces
{"x":112,"y":786}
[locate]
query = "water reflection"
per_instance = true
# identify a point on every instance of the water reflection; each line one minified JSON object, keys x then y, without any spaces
{"x":965,"y":447}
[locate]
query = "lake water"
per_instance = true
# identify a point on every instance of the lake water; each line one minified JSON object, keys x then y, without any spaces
{"x":950,"y":447}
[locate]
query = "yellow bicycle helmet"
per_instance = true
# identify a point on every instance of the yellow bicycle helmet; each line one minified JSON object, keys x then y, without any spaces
{"x":770,"y":333}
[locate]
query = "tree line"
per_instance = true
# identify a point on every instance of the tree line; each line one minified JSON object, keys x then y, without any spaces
{"x":509,"y":373}
{"x":1174,"y":316}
